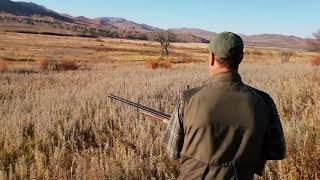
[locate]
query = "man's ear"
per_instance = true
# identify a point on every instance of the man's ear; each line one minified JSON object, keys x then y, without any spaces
{"x":241,"y":56}
{"x":211,"y":59}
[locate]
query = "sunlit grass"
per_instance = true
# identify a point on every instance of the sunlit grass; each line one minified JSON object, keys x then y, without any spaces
{"x":61,"y":125}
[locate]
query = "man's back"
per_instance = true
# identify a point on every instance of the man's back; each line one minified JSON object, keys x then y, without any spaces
{"x":224,"y":124}
{"x":224,"y":129}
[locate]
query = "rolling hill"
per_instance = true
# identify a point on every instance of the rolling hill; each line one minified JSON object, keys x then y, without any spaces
{"x":261,"y":40}
{"x":29,"y":9}
{"x":197,"y":32}
{"x":125,"y":24}
{"x":33,"y":18}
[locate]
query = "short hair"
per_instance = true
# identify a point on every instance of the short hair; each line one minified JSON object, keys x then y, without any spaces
{"x":231,"y":62}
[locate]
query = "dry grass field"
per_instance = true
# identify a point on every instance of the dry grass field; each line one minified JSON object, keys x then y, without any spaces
{"x":61,"y":125}
{"x":28,"y":48}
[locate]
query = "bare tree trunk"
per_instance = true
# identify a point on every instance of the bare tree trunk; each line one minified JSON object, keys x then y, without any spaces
{"x":166,"y":51}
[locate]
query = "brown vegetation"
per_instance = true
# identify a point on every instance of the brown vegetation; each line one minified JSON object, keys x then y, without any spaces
{"x":43,"y":64}
{"x":152,"y":64}
{"x":3,"y":65}
{"x":183,"y":60}
{"x":316,"y":61}
{"x":89,"y":50}
{"x":68,"y":65}
{"x":63,"y":65}
{"x":165,"y":64}
{"x":158,"y":64}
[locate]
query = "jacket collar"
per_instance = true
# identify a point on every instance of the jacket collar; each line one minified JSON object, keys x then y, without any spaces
{"x":225,"y":77}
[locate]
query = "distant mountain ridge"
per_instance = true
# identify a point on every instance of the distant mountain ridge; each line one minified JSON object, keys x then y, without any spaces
{"x":125,"y":24}
{"x":262,"y":40}
{"x":24,"y":16}
{"x":197,"y":32}
{"x":278,"y":40}
{"x":29,"y":9}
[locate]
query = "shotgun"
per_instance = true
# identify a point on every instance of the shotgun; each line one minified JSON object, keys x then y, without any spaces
{"x":157,"y":115}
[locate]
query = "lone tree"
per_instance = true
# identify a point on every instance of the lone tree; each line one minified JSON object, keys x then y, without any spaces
{"x":165,"y":38}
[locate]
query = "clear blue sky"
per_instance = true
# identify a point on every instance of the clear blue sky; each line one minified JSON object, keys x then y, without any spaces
{"x":290,"y":17}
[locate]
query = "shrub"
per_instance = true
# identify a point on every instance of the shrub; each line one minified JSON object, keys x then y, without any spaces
{"x":165,"y":64}
{"x":68,"y":65}
{"x":3,"y":65}
{"x":189,"y":61}
{"x":158,"y":64}
{"x":54,"y":66}
{"x":43,"y":64}
{"x":316,"y":61}
{"x":152,"y":64}
{"x":63,"y":65}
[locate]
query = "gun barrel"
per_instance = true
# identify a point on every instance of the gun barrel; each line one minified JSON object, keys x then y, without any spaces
{"x":139,"y":106}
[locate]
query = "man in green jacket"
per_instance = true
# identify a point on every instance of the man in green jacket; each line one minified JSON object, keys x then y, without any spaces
{"x":224,"y":129}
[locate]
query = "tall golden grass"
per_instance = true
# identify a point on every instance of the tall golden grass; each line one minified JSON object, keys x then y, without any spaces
{"x":62,"y":126}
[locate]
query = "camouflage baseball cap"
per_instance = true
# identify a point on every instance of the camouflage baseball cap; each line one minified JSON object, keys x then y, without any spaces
{"x":226,"y":44}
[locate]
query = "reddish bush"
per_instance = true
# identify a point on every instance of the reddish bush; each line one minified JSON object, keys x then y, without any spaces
{"x":152,"y":64}
{"x":165,"y":64}
{"x":43,"y":64}
{"x":158,"y":64}
{"x":68,"y":65}
{"x":316,"y":61}
{"x":3,"y":65}
{"x":189,"y":61}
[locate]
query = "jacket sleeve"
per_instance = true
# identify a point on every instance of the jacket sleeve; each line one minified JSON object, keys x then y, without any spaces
{"x":274,"y":142}
{"x":174,"y":135}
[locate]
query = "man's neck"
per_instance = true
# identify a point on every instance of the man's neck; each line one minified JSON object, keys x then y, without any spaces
{"x":224,"y":70}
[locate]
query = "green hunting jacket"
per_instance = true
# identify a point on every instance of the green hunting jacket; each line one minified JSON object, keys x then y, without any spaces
{"x":224,"y":130}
